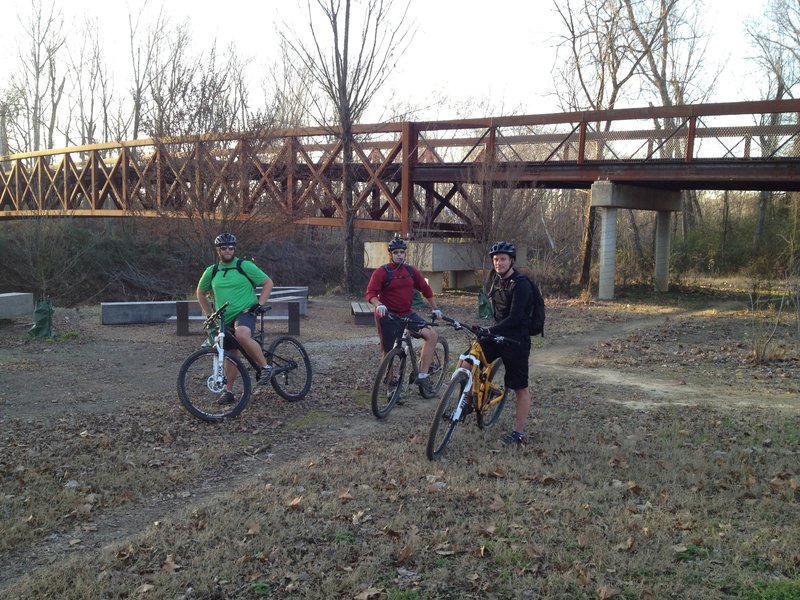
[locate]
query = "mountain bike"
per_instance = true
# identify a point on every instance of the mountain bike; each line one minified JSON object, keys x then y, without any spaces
{"x":202,"y":377}
{"x":391,"y":379}
{"x":478,"y":389}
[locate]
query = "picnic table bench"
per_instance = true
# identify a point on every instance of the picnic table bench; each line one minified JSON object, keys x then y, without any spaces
{"x":363,"y":313}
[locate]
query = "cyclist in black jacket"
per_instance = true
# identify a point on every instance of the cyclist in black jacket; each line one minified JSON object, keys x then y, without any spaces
{"x":511,"y":295}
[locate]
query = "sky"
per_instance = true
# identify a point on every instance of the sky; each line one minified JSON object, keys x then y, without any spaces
{"x":486,"y":57}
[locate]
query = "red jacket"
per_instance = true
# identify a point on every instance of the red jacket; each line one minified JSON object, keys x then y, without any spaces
{"x":399,"y":294}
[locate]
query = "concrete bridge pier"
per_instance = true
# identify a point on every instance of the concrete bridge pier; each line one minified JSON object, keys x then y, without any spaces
{"x":609,"y":197}
{"x":608,"y":251}
{"x":663,"y":239}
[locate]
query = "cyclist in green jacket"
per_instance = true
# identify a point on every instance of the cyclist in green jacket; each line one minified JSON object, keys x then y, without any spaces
{"x":234,"y":280}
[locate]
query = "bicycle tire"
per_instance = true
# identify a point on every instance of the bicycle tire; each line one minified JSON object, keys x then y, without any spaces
{"x":438,"y":368}
{"x":200,"y":395}
{"x":292,"y":373}
{"x":489,"y":414}
{"x":443,"y":425}
{"x":385,"y":395}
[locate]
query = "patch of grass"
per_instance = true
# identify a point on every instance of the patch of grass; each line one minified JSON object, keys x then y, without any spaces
{"x":782,"y":590}
{"x":311,"y":418}
{"x":394,"y":594}
{"x":362,"y":397}
{"x":345,"y":537}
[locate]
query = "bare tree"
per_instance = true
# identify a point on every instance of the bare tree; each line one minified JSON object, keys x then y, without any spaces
{"x":143,"y":48}
{"x":776,"y":39}
{"x":9,"y":107}
{"x":91,"y":89}
{"x":38,"y":83}
{"x":348,"y":71}
{"x":599,"y":64}
{"x":650,"y":49}
{"x":676,"y":69}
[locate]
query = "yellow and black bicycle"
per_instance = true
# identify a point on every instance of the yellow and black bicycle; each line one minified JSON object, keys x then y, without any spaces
{"x":476,"y":386}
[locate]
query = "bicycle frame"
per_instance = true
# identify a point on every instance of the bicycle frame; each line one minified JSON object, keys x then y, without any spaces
{"x":477,"y":359}
{"x":219,"y":343}
{"x":405,"y":340}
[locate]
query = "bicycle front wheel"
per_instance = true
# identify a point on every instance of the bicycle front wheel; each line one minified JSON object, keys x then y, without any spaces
{"x":490,"y":411}
{"x":388,"y":386}
{"x":291,"y":375}
{"x":443,"y":424}
{"x":203,"y":383}
{"x":438,"y":368}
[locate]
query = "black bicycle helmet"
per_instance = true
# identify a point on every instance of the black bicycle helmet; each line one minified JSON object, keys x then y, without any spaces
{"x":225,"y":239}
{"x":397,"y":244}
{"x":504,"y":248}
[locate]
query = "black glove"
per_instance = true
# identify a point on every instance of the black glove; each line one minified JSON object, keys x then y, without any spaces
{"x":256,"y":309}
{"x":482,"y":331}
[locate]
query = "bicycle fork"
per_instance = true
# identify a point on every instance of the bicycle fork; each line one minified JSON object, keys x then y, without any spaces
{"x":464,"y":399}
{"x":216,"y":381}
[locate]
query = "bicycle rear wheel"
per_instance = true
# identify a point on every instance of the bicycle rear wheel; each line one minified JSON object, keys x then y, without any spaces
{"x":388,"y":386}
{"x":489,"y":413}
{"x":438,"y":368}
{"x":443,"y":424}
{"x":291,"y":375}
{"x":203,"y":393}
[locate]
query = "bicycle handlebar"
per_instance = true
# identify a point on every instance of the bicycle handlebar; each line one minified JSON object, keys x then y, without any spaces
{"x":477,"y":331}
{"x":394,"y":317}
{"x":215,"y":315}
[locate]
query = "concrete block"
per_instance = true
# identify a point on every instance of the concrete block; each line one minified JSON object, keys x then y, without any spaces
{"x":15,"y":305}
{"x":124,"y":313}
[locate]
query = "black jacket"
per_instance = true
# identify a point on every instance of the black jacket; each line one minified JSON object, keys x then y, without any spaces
{"x":512,"y":303}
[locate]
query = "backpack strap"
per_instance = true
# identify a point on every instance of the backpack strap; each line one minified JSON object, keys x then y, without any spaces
{"x":390,"y":274}
{"x":239,"y":268}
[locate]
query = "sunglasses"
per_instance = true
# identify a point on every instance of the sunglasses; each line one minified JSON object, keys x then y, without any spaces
{"x":226,"y":247}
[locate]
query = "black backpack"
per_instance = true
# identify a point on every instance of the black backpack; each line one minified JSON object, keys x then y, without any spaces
{"x":536,"y":326}
{"x":224,"y":270}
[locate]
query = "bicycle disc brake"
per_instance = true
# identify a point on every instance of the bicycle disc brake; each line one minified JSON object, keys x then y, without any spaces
{"x":216,"y":381}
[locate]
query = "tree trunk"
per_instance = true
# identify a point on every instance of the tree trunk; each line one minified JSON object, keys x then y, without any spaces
{"x":725,"y":216}
{"x":637,"y":243}
{"x":586,"y":246}
{"x":3,"y":131}
{"x":763,"y":204}
{"x":348,"y":264}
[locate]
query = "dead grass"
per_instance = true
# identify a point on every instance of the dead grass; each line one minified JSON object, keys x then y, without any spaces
{"x":605,"y":501}
{"x":684,"y":499}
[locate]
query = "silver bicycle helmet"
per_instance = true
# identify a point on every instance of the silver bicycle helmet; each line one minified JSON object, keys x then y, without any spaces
{"x":225,"y":239}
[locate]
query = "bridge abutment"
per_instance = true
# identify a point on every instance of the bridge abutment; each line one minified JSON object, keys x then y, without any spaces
{"x":611,"y":196}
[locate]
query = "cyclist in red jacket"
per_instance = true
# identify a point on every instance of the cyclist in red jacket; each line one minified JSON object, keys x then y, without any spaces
{"x":391,"y":290}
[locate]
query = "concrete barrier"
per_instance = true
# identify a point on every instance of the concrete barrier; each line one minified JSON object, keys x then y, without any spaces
{"x":15,"y":305}
{"x":159,"y":311}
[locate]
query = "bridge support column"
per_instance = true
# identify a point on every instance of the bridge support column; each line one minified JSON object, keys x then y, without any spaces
{"x":608,"y":253}
{"x":663,"y":218}
{"x":609,"y":197}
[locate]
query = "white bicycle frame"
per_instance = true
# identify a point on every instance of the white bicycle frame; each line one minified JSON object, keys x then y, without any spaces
{"x":462,"y":402}
{"x":216,"y":381}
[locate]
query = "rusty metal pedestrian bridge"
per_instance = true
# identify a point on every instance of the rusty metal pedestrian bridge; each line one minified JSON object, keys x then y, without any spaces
{"x":429,"y":177}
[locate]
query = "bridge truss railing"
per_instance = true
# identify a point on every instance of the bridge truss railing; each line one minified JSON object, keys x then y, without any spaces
{"x":406,"y":176}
